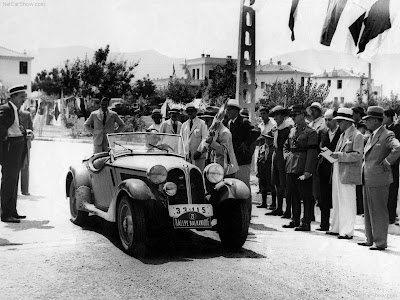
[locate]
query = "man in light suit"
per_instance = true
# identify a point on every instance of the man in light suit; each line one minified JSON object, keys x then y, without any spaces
{"x":26,"y":122}
{"x":12,"y":152}
{"x":346,"y":175}
{"x":101,"y":122}
{"x":193,"y":132}
{"x":381,"y":151}
{"x":172,"y":125}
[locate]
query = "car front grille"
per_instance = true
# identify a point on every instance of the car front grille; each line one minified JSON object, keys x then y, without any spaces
{"x":196,"y":186}
{"x":177,"y":176}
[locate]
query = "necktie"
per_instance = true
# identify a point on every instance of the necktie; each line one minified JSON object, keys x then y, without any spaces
{"x":191,"y":124}
{"x":175,"y":127}
{"x":104,"y":119}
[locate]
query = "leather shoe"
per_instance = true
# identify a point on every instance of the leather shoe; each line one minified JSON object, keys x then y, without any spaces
{"x":286,"y":216}
{"x":17,"y":216}
{"x":376,"y":248}
{"x":303,"y":228}
{"x":364,"y":244}
{"x":10,"y":220}
{"x":290,"y":225}
{"x":322,"y":229}
{"x":26,"y":194}
{"x":274,"y":213}
{"x":331,"y":233}
{"x":262,"y":206}
{"x":345,"y":237}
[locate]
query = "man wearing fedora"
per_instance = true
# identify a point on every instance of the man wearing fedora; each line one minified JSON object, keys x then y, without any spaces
{"x":381,"y":151}
{"x":101,"y":122}
{"x":264,"y":159}
{"x":193,"y":132}
{"x":172,"y":125}
{"x":391,"y":125}
{"x":218,"y":143}
{"x":12,"y":152}
{"x":346,"y":175}
{"x":301,"y":150}
{"x":278,"y":180}
{"x":156,"y":115}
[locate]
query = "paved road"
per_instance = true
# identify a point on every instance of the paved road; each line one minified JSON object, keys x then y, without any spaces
{"x":47,"y":257}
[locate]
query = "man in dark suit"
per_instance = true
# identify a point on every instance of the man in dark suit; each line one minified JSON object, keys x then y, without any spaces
{"x":13,"y":147}
{"x":329,"y":138}
{"x":388,"y":121}
{"x":381,"y":151}
{"x":244,"y":136}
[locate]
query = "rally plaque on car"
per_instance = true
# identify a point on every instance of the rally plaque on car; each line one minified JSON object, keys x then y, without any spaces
{"x":191,"y":215}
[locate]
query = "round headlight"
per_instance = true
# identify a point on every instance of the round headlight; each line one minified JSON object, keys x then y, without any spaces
{"x":214,"y":172}
{"x":157,"y":174}
{"x":170,"y":188}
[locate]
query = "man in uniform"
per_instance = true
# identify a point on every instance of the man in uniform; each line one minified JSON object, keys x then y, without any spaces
{"x":12,"y":152}
{"x":301,"y":150}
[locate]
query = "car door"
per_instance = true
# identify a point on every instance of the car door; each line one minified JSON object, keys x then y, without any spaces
{"x":103,"y":186}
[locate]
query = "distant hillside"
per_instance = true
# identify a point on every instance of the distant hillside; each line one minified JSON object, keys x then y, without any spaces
{"x":155,"y":64}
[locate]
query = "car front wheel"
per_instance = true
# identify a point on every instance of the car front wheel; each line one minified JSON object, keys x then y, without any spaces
{"x":78,"y":217}
{"x":233,"y":223}
{"x":131,"y":227}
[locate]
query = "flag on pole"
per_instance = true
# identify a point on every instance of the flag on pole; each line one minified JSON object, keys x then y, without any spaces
{"x":173,"y":69}
{"x":377,"y":22}
{"x":292,"y":17}
{"x":335,"y":9}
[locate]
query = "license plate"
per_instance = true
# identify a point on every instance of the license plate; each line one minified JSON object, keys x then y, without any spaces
{"x":175,"y":211}
{"x":191,"y":215}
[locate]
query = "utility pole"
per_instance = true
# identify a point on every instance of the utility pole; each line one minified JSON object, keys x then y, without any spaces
{"x":369,"y":81}
{"x":246,"y":63}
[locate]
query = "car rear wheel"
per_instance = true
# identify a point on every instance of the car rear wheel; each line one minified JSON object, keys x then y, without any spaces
{"x":78,"y":217}
{"x":132,"y":227}
{"x":233,"y":223}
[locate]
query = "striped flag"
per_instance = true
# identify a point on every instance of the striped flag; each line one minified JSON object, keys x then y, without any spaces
{"x":335,"y":9}
{"x":292,"y":17}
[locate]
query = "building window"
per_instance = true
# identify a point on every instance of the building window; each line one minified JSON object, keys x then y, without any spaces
{"x":198,"y":73}
{"x":262,"y":85}
{"x":193,"y":73}
{"x":339,"y":84}
{"x":341,"y":99}
{"x":23,"y":67}
{"x":335,"y":100}
{"x":329,"y":83}
{"x":302,"y":81}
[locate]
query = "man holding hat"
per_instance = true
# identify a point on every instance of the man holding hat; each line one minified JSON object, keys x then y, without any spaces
{"x":12,"y":151}
{"x":278,"y":180}
{"x":156,"y":115}
{"x":101,"y":122}
{"x":172,"y":125}
{"x":346,"y":175}
{"x":381,"y":151}
{"x":193,"y":132}
{"x":301,"y":150}
{"x":388,"y":116}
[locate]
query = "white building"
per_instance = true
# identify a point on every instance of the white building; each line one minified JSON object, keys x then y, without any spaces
{"x":343,"y":85}
{"x":270,"y":73}
{"x":15,"y":68}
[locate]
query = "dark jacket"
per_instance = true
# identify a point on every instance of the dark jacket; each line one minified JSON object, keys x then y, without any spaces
{"x":244,"y":135}
{"x":6,"y":120}
{"x":324,"y":167}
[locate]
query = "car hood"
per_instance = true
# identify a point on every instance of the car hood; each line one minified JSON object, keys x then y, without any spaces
{"x":144,"y":162}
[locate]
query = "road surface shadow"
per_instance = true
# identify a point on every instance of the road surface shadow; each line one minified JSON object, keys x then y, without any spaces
{"x":170,"y":245}
{"x":30,"y":198}
{"x":4,"y":242}
{"x":261,"y":227}
{"x":29,"y":224}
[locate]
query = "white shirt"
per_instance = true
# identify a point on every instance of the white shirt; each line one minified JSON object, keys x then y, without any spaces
{"x":155,"y":126}
{"x":13,"y":130}
{"x":231,"y":122}
{"x":332,"y":133}
{"x":265,"y":128}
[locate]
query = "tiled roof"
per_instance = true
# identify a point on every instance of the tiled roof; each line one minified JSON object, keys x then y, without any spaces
{"x":11,"y":53}
{"x":279,"y":68}
{"x":338,"y":73}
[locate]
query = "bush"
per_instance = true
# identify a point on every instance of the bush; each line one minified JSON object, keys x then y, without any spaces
{"x":133,"y":123}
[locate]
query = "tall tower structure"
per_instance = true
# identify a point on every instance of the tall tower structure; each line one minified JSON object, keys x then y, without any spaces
{"x":246,"y":63}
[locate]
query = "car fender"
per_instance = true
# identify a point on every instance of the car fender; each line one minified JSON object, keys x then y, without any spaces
{"x":232,"y":188}
{"x":80,"y":175}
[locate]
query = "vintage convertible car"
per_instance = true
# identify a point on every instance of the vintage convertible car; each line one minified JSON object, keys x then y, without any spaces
{"x":145,"y":185}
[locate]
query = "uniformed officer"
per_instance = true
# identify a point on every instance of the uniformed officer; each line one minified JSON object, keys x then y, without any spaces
{"x":301,"y":152}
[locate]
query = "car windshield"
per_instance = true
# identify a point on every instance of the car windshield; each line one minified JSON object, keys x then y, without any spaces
{"x":146,"y":142}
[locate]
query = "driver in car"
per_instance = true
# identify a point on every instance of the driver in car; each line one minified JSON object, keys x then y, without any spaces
{"x":151,"y":142}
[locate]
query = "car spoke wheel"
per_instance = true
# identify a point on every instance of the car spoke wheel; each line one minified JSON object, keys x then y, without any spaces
{"x":78,"y":217}
{"x":131,"y":227}
{"x":233,"y":223}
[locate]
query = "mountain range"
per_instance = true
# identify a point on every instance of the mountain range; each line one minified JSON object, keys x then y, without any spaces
{"x":385,"y":68}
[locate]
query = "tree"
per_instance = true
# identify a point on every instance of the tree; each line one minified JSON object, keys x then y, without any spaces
{"x":144,"y":88}
{"x":180,"y":92}
{"x":289,"y":92}
{"x":222,"y":84}
{"x":49,"y":82}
